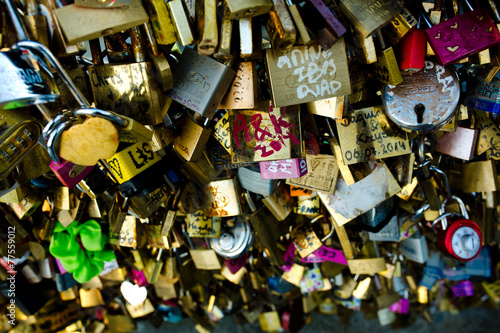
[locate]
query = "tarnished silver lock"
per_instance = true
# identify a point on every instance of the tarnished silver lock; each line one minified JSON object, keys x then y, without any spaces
{"x":200,"y":82}
{"x":424,"y":101}
{"x":21,"y":82}
{"x":234,"y":240}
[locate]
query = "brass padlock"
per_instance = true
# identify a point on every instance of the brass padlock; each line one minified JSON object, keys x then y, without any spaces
{"x":109,"y":81}
{"x":280,"y":28}
{"x":308,"y":73}
{"x":369,"y":16}
{"x":83,"y":23}
{"x":207,"y":26}
{"x":244,"y":9}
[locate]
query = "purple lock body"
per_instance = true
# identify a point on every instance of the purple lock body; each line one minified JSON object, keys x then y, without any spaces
{"x":463,"y":36}
{"x":69,"y":173}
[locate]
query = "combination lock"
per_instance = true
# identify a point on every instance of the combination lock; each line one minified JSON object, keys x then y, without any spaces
{"x":462,"y":238}
{"x":19,"y":135}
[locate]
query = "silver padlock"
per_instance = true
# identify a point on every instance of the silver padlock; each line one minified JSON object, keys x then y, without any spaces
{"x":424,"y":101}
{"x":234,"y":241}
{"x":21,"y":82}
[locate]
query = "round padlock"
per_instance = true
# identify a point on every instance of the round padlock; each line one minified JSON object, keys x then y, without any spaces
{"x":233,"y":241}
{"x":424,"y":101}
{"x":462,"y":238}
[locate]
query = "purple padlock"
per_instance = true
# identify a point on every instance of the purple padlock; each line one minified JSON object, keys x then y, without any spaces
{"x":462,"y":36}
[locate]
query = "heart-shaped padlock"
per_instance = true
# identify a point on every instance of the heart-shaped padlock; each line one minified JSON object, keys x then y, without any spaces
{"x":462,"y":238}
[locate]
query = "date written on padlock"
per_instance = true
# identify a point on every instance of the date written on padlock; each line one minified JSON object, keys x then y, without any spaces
{"x":368,"y":136}
{"x":131,"y":161}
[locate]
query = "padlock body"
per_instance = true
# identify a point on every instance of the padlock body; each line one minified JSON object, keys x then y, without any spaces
{"x":446,"y":243}
{"x":68,"y":174}
{"x":463,"y":35}
{"x":412,"y":51}
{"x":483,"y":95}
{"x":21,"y":81}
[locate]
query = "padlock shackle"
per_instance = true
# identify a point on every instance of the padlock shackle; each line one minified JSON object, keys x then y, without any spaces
{"x":54,"y":137}
{"x":22,"y":33}
{"x":332,"y":227}
{"x":443,"y":216}
{"x":35,"y":46}
{"x":111,"y":116}
{"x":468,"y":5}
{"x":423,"y":14}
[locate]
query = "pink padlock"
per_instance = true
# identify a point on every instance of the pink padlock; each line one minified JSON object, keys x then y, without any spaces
{"x":283,"y":169}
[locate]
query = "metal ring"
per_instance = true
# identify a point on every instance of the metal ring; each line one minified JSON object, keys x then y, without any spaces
{"x":111,"y":116}
{"x":31,"y":45}
{"x":53,"y":137}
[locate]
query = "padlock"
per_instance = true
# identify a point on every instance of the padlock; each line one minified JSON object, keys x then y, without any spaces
{"x":275,"y":134}
{"x":108,"y":81}
{"x":250,"y":35}
{"x":369,"y":16}
{"x":462,"y":238}
{"x":243,"y":9}
{"x":303,"y":37}
{"x":194,"y":134}
{"x":118,"y":212}
{"x":386,"y":68}
{"x":206,"y":17}
{"x":462,"y":36}
{"x":323,"y":23}
{"x":163,"y":28}
{"x":362,"y":48}
{"x":98,"y":22}
{"x":36,"y":23}
{"x":182,"y":25}
{"x":280,"y":204}
{"x":280,"y":28}
{"x":235,"y":239}
{"x":67,"y":172}
{"x":243,"y":91}
{"x":424,"y":101}
{"x":22,"y":82}
{"x":269,"y":320}
{"x":399,"y":26}
{"x":483,"y":95}
{"x":225,"y":51}
{"x":58,"y":43}
{"x":223,"y":198}
{"x":200,"y":82}
{"x":19,"y":137}
{"x":251,"y":180}
{"x":117,"y":317}
{"x":293,"y":80}
{"x":163,"y":73}
{"x":412,"y":49}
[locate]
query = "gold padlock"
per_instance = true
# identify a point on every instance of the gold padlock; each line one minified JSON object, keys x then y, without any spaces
{"x":143,"y":101}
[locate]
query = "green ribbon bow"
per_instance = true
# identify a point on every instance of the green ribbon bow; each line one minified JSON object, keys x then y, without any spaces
{"x":83,"y":263}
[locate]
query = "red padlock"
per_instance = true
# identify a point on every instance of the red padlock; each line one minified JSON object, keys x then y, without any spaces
{"x":462,"y":238}
{"x":411,"y":50}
